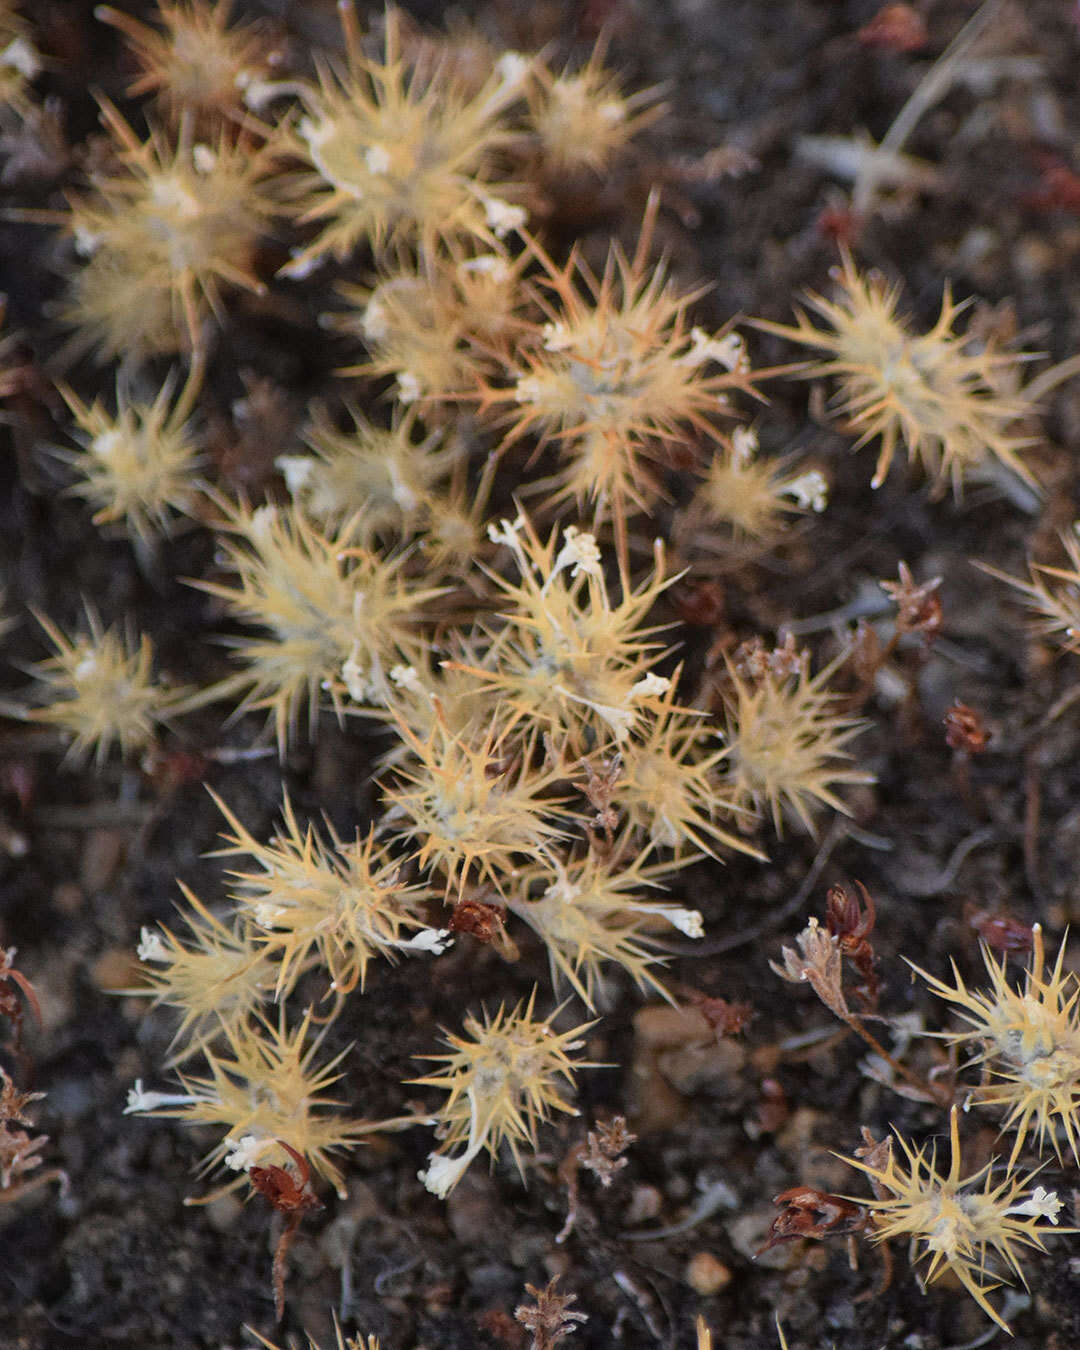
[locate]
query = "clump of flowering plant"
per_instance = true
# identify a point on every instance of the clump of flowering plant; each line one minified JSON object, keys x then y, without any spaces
{"x":941,"y":395}
{"x":958,"y":1223}
{"x":504,"y":1078}
{"x":266,"y":1089}
{"x":340,"y":904}
{"x":215,"y":977}
{"x":137,"y":466}
{"x":618,"y":375}
{"x":400,"y":160}
{"x":786,"y":739}
{"x":1028,"y":1040}
{"x":98,"y":690}
{"x":196,"y":60}
{"x":336,"y":617}
{"x":165,"y":236}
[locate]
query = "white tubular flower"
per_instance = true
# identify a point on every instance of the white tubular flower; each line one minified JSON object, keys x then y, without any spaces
{"x":512,"y":68}
{"x":407,"y":678}
{"x":579,"y":552}
{"x":204,"y":159}
{"x":649,"y":686}
{"x":506,"y":532}
{"x":501,"y":216}
{"x":296,"y":470}
{"x":688,"y":921}
{"x":139,"y":1100}
{"x":374,"y":323}
{"x":557,"y":337}
{"x":354,"y":678}
{"x":728,"y":351}
{"x":269,"y":916}
{"x":443,"y":1173}
{"x":1042,"y":1204}
{"x":433,"y":940}
{"x":744,"y":445}
{"x":244,"y":1153}
{"x":151,"y":947}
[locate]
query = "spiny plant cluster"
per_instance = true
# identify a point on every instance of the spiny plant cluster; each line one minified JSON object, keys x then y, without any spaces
{"x":453,"y":558}
{"x":974,"y":1225}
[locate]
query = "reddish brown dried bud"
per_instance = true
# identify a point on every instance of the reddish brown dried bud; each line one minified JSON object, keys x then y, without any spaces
{"x":1002,"y":932}
{"x":919,"y":608}
{"x":701,"y":605}
{"x":966,"y":730}
{"x":726,"y":1019}
{"x":895,"y":28}
{"x":810,"y":1213}
{"x":851,"y":923}
{"x":483,"y":921}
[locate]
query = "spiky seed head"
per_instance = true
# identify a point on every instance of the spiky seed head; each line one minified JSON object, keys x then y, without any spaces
{"x":399,"y":160}
{"x":337,"y":617}
{"x":266,"y":1088}
{"x":196,"y":60}
{"x":307,"y":900}
{"x":591,"y":912}
{"x":581,"y":119}
{"x":216,"y":977}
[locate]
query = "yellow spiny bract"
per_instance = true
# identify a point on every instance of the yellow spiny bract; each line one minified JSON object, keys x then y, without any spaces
{"x":476,"y":805}
{"x":165,"y":237}
{"x":139,"y":465}
{"x":671,"y":786}
{"x":333,"y":904}
{"x":618,"y":373}
{"x":215,"y":977}
{"x":338,"y":617}
{"x":959,"y":1224}
{"x":504,"y":1078}
{"x":1029,"y":1045}
{"x":581,"y":119}
{"x":1053,"y":594}
{"x":786,"y":743}
{"x":754,"y":497}
{"x":382,"y":476}
{"x":438,"y":326}
{"x":98,"y":690}
{"x":941,"y":395}
{"x":265,"y":1089}
{"x":593,"y":911}
{"x":196,"y":60}
{"x":398,"y":160}
{"x":569,"y":659}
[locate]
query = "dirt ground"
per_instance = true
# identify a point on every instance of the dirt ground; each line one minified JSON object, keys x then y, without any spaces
{"x":119,"y":1260}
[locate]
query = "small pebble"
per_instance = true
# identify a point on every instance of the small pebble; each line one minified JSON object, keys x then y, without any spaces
{"x":706,"y":1275}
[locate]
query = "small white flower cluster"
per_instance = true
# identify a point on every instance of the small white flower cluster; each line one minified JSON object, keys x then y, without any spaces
{"x":810,"y":490}
{"x":728,"y":351}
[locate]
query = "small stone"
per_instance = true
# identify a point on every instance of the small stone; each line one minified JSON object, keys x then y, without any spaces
{"x":223,"y":1212}
{"x":645,"y":1203}
{"x":706,"y":1275}
{"x":114,"y":969}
